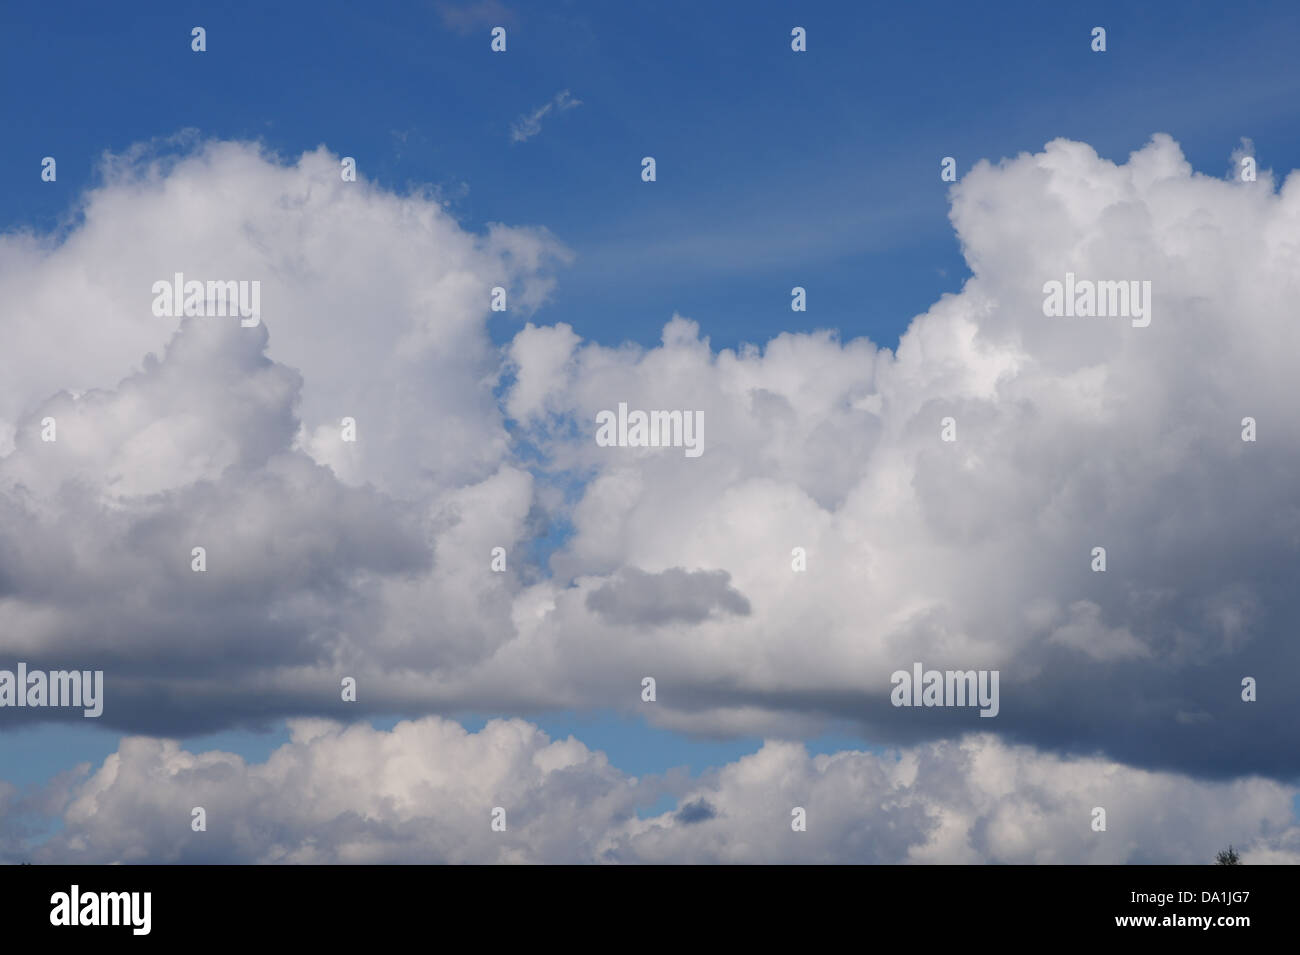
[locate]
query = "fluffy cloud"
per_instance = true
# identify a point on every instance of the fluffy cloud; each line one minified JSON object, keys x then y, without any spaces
{"x":426,"y":791}
{"x":175,"y":433}
{"x":378,"y":301}
{"x":371,"y":560}
{"x":1072,"y":433}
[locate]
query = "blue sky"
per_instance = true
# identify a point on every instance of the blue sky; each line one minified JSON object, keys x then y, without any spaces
{"x":774,"y":170}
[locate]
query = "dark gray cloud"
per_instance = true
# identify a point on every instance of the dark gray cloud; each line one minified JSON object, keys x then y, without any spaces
{"x":697,"y":811}
{"x":673,"y":595}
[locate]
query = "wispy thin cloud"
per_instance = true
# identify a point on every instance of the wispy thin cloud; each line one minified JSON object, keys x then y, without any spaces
{"x":530,"y":124}
{"x":465,"y":18}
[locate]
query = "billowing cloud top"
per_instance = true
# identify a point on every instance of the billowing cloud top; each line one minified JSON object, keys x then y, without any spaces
{"x":427,"y":791}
